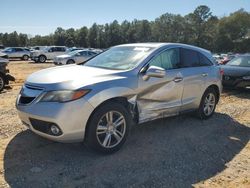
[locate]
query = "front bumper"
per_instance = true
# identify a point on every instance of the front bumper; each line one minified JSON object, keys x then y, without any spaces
{"x":70,"y":117}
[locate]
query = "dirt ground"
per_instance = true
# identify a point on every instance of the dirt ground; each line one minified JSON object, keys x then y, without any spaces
{"x":181,"y":151}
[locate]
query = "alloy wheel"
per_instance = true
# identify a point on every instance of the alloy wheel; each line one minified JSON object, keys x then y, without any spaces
{"x":209,"y":104}
{"x":111,"y":129}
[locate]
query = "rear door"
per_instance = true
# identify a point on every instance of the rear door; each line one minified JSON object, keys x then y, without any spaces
{"x":19,"y":52}
{"x":161,"y":97}
{"x":60,"y":50}
{"x":194,"y":78}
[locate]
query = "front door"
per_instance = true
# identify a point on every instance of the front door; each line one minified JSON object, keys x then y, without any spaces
{"x":161,"y":97}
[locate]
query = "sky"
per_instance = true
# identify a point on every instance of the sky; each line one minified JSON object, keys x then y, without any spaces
{"x":44,"y":16}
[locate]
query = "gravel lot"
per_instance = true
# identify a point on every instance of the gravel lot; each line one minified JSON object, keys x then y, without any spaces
{"x":175,"y":152}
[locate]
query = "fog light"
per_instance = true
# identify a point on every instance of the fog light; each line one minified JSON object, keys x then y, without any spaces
{"x":55,"y":130}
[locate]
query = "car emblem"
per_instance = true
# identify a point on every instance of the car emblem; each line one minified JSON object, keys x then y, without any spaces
{"x":227,"y":77}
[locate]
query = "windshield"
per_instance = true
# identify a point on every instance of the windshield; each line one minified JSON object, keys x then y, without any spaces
{"x":243,"y":61}
{"x":120,"y":58}
{"x":7,"y":50}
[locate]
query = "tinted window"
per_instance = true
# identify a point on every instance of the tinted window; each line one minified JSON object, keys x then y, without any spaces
{"x":204,"y":61}
{"x":84,"y":53}
{"x":168,"y":59}
{"x":60,"y":49}
{"x":189,"y":58}
{"x":18,"y":49}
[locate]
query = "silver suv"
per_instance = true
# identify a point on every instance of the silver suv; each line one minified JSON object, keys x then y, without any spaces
{"x":128,"y":84}
{"x":17,"y":52}
{"x":47,"y":53}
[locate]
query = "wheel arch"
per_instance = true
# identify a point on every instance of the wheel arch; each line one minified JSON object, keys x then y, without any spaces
{"x":132,"y":110}
{"x":217,"y":90}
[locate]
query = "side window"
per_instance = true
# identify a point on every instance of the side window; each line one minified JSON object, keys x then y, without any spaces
{"x":189,"y":58}
{"x":61,"y":49}
{"x":168,"y":59}
{"x":57,"y":49}
{"x":52,"y":49}
{"x":18,"y":49}
{"x":204,"y":61}
{"x":83,"y":53}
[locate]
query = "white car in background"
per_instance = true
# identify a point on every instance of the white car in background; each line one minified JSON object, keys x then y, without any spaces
{"x":17,"y":52}
{"x":77,"y":56}
{"x":48,"y":53}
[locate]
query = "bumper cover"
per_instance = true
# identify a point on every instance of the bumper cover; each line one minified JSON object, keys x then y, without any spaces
{"x":71,"y":118}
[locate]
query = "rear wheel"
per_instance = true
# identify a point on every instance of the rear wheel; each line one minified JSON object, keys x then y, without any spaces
{"x":108,"y":128}
{"x":25,"y":57}
{"x":2,"y":82}
{"x":42,"y":59}
{"x":208,"y":104}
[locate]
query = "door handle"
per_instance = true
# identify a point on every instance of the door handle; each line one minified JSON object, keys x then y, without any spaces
{"x":205,"y":74}
{"x":178,"y":79}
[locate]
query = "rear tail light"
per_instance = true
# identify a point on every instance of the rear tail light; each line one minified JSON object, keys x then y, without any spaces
{"x":221,"y":72}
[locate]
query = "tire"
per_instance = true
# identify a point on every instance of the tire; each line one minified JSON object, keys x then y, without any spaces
{"x":42,"y":58}
{"x":25,"y":57}
{"x":70,"y":61}
{"x":2,"y":82}
{"x":108,"y":138}
{"x":208,"y":104}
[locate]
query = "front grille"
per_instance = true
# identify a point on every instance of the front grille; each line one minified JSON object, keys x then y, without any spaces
{"x":29,"y":93}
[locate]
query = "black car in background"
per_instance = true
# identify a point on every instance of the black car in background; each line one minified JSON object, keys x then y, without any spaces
{"x":5,"y":77}
{"x":237,"y":72}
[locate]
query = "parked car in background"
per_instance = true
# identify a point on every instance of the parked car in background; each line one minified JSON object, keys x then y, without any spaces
{"x":77,"y":56}
{"x":134,"y":83}
{"x":5,"y":77}
{"x":48,"y":53}
{"x":237,"y":72}
{"x":17,"y":52}
{"x":1,"y":47}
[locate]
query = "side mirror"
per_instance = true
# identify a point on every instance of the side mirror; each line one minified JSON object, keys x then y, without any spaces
{"x":154,"y":71}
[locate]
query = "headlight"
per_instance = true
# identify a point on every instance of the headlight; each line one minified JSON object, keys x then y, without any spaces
{"x":246,"y":77}
{"x":63,"y":96}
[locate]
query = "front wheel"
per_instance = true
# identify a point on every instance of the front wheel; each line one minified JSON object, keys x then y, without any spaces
{"x":42,"y":59}
{"x":208,"y":104}
{"x":2,"y":82}
{"x":25,"y":57}
{"x":108,"y":128}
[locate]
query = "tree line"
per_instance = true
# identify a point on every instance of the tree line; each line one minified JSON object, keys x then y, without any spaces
{"x":201,"y":28}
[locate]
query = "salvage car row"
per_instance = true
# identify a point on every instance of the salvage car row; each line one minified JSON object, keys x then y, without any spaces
{"x":61,"y":55}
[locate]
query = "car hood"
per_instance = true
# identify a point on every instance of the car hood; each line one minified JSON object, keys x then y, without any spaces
{"x":71,"y":77}
{"x":235,"y":70}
